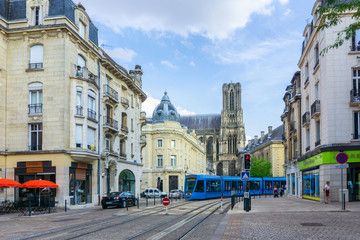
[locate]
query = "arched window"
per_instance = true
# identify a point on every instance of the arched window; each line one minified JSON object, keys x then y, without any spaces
{"x":232,"y":100}
{"x":81,"y":29}
{"x":79,"y":101}
{"x":36,"y":57}
{"x":35,"y":98}
{"x":81,"y":61}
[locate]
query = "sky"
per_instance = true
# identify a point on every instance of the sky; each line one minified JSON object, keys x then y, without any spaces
{"x":191,"y":48}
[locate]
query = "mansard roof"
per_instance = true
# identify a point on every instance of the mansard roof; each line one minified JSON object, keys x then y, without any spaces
{"x":205,"y":121}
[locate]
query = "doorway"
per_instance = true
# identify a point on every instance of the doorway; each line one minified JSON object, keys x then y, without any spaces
{"x":173,"y":183}
{"x":353,"y":183}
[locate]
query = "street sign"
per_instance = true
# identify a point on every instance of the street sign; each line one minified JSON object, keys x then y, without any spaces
{"x":246,"y":195}
{"x":341,"y":157}
{"x":165,"y":201}
{"x":245,"y":176}
{"x":342,"y":165}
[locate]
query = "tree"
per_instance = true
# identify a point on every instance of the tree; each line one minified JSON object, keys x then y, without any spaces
{"x":331,"y":12}
{"x":260,"y":168}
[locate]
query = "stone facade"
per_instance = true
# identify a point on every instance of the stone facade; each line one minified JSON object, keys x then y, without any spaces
{"x":57,"y":108}
{"x":171,"y":150}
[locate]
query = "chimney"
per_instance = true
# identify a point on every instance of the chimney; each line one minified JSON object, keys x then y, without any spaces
{"x":256,"y":139}
{"x":262,"y":135}
{"x":270,"y":130}
{"x":249,"y":142}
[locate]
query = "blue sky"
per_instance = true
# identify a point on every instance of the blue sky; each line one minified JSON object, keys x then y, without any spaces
{"x":190,"y":48}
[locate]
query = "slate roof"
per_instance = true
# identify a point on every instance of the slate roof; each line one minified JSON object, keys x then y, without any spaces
{"x":276,"y":135}
{"x":203,"y":121}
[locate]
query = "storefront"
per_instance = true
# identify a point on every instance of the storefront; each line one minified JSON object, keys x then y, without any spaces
{"x":80,"y":183}
{"x":353,"y":183}
{"x":311,"y":184}
{"x":127,"y":182}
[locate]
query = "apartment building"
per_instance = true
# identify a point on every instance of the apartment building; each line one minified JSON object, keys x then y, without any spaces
{"x":68,"y":112}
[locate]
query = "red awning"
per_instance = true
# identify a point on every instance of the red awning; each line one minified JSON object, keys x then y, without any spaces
{"x":39,"y":184}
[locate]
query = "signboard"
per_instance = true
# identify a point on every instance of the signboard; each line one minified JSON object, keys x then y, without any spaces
{"x":341,"y":157}
{"x":165,"y":201}
{"x":245,"y":176}
{"x":342,"y":165}
{"x":246,"y":195}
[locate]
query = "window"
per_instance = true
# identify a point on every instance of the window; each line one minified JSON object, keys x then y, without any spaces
{"x":317,"y":91}
{"x":36,"y":57}
{"x":306,"y":73}
{"x":356,"y":125}
{"x":231,"y":100}
{"x":159,"y":143}
{"x":91,"y":105}
{"x":81,"y":29}
{"x":132,"y":101}
{"x":296,"y":149}
{"x":173,"y":160}
{"x":356,"y":41}
{"x":107,"y":143}
{"x":160,"y":160}
{"x":35,"y":98}
{"x":132,"y":150}
{"x":122,"y":148}
{"x":91,"y":139}
{"x":78,"y":135}
{"x":316,"y":56}
{"x":307,"y":139}
{"x":37,"y":15}
{"x":79,"y":108}
{"x":132,"y":125}
{"x":356,"y":83}
{"x":80,"y":65}
{"x":317,"y":127}
{"x":172,"y":143}
{"x":35,"y":136}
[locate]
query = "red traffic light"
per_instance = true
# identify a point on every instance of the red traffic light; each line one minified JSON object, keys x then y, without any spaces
{"x":247,"y":157}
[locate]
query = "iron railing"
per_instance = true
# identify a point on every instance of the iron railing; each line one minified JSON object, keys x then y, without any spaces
{"x":35,"y":108}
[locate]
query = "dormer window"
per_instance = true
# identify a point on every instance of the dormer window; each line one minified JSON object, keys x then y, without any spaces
{"x":81,"y":29}
{"x":37,"y":16}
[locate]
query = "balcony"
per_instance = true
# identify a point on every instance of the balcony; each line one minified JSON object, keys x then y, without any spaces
{"x":111,"y":124}
{"x":35,"y":108}
{"x":122,"y":156}
{"x":315,"y":109}
{"x":79,"y":110}
{"x":355,"y":98}
{"x":110,"y":95}
{"x":124,"y":129}
{"x":317,"y":143}
{"x":125,"y":102}
{"x":91,"y":115}
{"x":306,"y":119}
{"x":83,"y":73}
{"x":34,"y":66}
{"x":296,"y":93}
{"x":293,"y":126}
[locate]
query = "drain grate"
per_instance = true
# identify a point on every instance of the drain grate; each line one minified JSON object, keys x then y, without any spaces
{"x":312,"y":224}
{"x":66,"y":220}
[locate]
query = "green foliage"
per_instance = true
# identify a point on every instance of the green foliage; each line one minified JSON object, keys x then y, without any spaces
{"x":331,"y":12}
{"x":260,"y":168}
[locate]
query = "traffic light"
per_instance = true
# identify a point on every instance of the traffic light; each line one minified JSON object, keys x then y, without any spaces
{"x":247,"y":161}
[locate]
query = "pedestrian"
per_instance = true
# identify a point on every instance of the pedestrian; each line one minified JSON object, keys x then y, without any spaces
{"x":275,"y":192}
{"x":281,"y":190}
{"x":327,"y":191}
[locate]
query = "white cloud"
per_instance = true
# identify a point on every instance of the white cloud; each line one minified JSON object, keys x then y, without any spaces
{"x":213,"y":19}
{"x":122,"y":54}
{"x":184,"y":112}
{"x":287,"y":12}
{"x":169,"y":64}
{"x":192,"y":63}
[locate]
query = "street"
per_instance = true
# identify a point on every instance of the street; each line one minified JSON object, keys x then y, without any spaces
{"x":269,"y":218}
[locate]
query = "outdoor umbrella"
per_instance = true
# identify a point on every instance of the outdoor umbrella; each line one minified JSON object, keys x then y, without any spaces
{"x":39,"y":184}
{"x":6,"y":183}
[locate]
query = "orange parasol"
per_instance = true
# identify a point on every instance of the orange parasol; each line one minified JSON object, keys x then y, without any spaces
{"x":6,"y":183}
{"x":39,"y":184}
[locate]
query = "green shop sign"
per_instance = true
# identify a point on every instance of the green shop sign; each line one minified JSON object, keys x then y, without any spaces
{"x":328,"y":158}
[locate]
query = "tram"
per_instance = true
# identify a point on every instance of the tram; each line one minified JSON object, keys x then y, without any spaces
{"x":199,"y":187}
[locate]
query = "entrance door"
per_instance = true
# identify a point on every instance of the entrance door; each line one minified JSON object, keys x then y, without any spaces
{"x":354,"y":183}
{"x":173,"y":183}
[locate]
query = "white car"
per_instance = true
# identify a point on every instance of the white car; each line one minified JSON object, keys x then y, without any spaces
{"x":176,"y":194}
{"x":153,"y":192}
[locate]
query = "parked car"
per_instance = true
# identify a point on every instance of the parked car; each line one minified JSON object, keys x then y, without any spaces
{"x":118,"y":199}
{"x":176,"y":194}
{"x":153,"y":192}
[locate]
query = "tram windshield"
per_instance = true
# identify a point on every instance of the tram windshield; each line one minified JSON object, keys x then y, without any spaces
{"x":190,"y":184}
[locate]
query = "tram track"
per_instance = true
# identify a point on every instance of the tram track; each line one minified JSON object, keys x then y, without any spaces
{"x":108,"y":220}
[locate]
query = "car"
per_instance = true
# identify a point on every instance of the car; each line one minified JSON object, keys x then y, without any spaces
{"x":119,"y":199}
{"x":176,"y":194}
{"x":153,"y":192}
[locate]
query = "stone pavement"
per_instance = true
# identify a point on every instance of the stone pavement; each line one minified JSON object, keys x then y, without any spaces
{"x":290,"y":218}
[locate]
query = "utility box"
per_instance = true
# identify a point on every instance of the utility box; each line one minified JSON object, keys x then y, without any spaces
{"x":346,"y":192}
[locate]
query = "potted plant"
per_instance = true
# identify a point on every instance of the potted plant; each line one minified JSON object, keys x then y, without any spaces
{"x":78,"y":67}
{"x":91,"y":75}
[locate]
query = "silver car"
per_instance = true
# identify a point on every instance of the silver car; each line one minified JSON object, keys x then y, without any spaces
{"x":176,"y":194}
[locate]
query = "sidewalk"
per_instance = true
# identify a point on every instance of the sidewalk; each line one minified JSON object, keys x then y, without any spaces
{"x":271,"y":216}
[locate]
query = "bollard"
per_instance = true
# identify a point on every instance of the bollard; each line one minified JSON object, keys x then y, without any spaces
{"x":65,"y":205}
{"x":154,"y":199}
{"x":138,"y":202}
{"x":49,"y":204}
{"x":127,"y":204}
{"x":147,"y":200}
{"x":344,"y":201}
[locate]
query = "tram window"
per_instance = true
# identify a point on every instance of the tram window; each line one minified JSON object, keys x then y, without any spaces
{"x":268,"y":185}
{"x":276,"y":183}
{"x":208,"y":186}
{"x":254,"y":185}
{"x":215,"y":186}
{"x":227,"y":186}
{"x":199,"y":186}
{"x":240,"y":185}
{"x":190,"y":184}
{"x":283,"y":184}
{"x":234,"y":185}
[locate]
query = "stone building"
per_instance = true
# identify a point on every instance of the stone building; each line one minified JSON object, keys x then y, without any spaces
{"x":291,"y":119}
{"x":171,"y":150}
{"x":222,"y":133}
{"x":330,"y":96}
{"x":61,"y":101}
{"x":269,"y":147}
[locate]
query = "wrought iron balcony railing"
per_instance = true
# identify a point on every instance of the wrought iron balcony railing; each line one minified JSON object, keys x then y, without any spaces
{"x":79,"y":110}
{"x":315,"y":108}
{"x":110,"y":122}
{"x":91,"y":114}
{"x":35,"y":65}
{"x":306,"y":118}
{"x":109,"y":91}
{"x":35,"y":108}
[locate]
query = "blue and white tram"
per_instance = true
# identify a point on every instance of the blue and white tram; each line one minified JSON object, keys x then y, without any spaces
{"x":270,"y":182}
